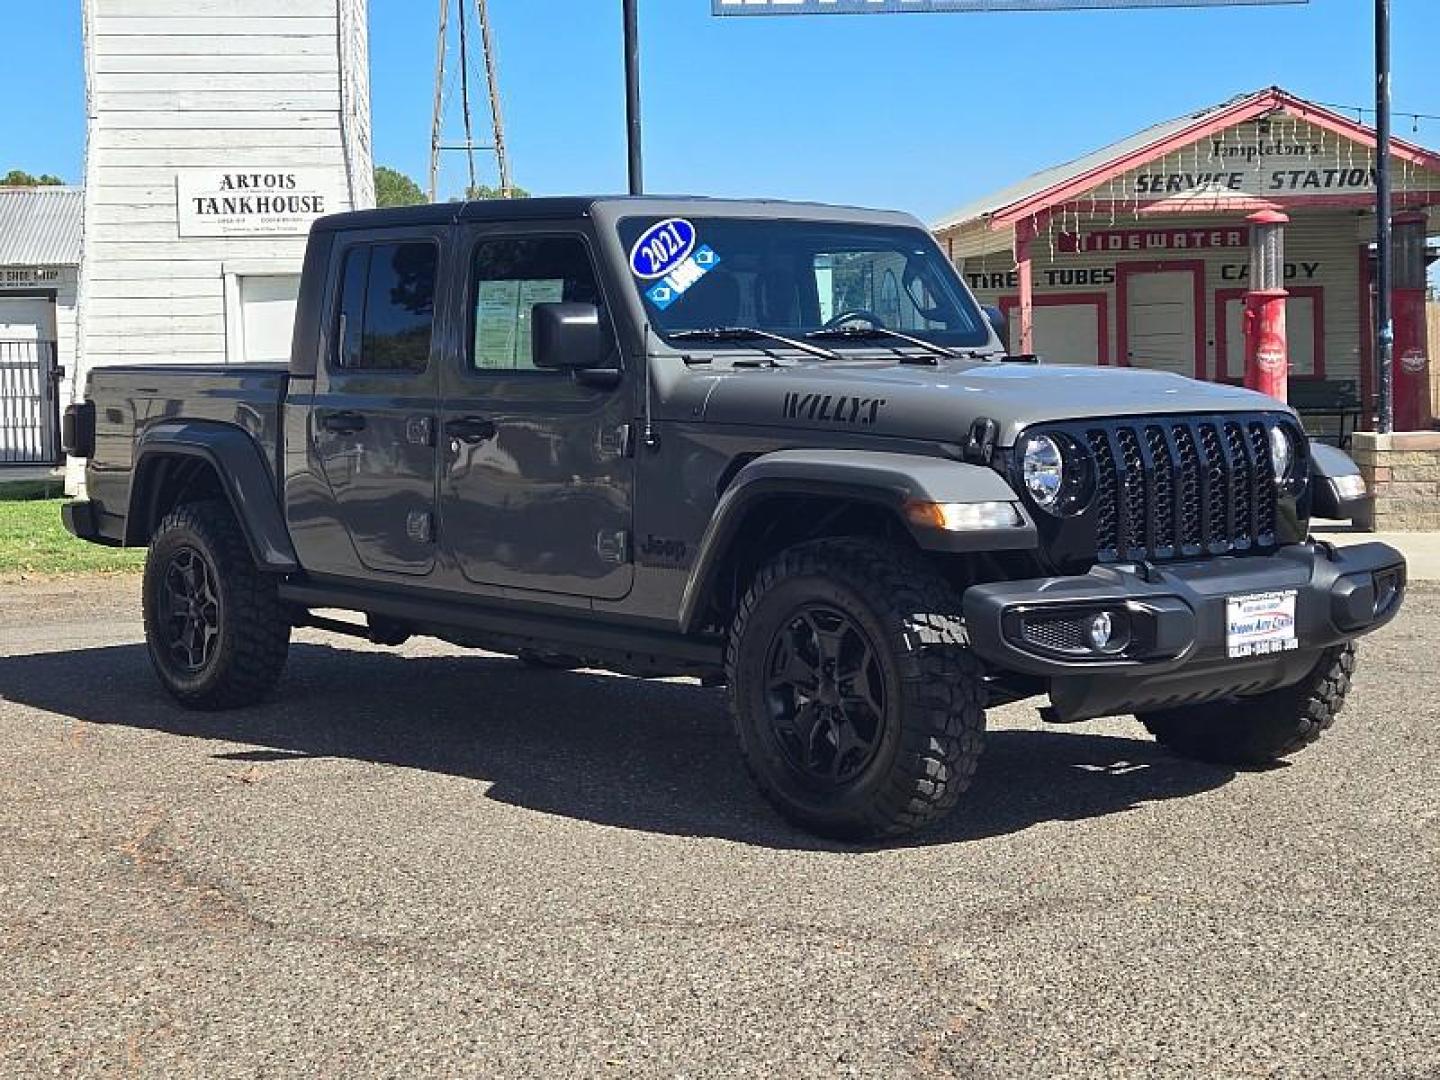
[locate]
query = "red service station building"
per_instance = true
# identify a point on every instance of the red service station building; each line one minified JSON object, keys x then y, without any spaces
{"x":1235,"y":244}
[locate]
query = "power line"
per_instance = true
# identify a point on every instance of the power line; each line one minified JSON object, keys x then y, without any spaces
{"x":1361,"y":110}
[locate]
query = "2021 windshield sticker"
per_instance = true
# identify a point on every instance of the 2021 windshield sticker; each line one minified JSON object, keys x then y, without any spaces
{"x":661,"y":248}
{"x":679,"y":281}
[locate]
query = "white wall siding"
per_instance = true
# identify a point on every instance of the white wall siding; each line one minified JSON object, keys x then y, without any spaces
{"x":206,"y":84}
{"x":220,"y":85}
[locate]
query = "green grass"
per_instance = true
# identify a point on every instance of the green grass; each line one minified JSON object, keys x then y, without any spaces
{"x":33,"y":541}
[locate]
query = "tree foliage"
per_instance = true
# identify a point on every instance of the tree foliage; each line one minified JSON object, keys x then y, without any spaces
{"x":21,"y":178}
{"x":485,"y":191}
{"x":394,"y":188}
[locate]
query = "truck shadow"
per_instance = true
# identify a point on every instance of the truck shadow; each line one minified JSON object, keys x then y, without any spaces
{"x":640,"y":755}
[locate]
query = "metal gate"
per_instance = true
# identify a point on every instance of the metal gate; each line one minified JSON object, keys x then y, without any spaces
{"x":29,"y":416}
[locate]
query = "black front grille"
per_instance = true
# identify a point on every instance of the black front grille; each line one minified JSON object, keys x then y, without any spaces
{"x":1178,"y":487}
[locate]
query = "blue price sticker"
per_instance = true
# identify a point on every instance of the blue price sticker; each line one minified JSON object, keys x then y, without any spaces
{"x":683,"y":278}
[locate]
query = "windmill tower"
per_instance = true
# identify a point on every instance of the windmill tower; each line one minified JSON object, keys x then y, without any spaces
{"x":469,"y":14}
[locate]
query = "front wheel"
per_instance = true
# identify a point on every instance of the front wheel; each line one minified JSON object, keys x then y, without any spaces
{"x":1261,"y":729}
{"x":858,"y":707}
{"x":214,"y":624}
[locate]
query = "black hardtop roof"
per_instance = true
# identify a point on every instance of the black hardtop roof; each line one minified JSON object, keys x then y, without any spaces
{"x":573,"y":206}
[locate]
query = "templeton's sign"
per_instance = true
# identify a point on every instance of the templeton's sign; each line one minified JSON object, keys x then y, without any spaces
{"x":224,"y":202}
{"x":867,"y":7}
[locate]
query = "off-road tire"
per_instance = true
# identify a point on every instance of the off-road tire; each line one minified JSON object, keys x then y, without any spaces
{"x":935,"y":719}
{"x":1262,"y":729}
{"x":253,"y":636}
{"x":544,"y":661}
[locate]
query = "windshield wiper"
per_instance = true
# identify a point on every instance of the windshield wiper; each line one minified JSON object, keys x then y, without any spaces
{"x":841,"y":333}
{"x":750,"y":333}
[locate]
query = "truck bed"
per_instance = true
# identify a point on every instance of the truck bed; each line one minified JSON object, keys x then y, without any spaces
{"x":130,"y":399}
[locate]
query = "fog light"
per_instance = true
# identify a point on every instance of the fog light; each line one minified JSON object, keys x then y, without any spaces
{"x":1099,"y":630}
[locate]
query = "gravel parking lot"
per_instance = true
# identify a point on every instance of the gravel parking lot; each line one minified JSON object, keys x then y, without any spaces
{"x":433,"y":862}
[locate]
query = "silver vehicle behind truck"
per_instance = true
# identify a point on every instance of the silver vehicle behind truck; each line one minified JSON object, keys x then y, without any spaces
{"x":773,"y":445}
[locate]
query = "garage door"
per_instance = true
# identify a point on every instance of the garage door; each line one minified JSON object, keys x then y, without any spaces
{"x":1160,"y":310}
{"x":267,"y":311}
{"x":27,"y":381}
{"x":1064,"y":333}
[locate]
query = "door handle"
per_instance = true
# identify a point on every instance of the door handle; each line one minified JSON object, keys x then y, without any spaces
{"x":343,"y":423}
{"x":470,"y":429}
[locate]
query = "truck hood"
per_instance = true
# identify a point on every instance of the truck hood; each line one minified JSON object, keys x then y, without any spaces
{"x":942,"y":402}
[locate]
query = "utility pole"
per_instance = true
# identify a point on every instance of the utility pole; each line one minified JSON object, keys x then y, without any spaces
{"x":492,"y":80}
{"x":1384,"y":319}
{"x":632,"y":95}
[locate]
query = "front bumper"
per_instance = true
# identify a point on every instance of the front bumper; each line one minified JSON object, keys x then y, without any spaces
{"x":1170,"y":645}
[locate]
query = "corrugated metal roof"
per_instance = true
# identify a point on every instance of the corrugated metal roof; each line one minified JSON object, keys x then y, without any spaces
{"x":40,"y":226}
{"x":1059,"y":174}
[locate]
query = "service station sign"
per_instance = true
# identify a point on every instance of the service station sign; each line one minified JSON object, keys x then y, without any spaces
{"x":252,"y":202}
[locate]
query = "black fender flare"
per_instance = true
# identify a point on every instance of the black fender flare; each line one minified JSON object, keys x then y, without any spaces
{"x":244,"y":475}
{"x":881,"y":478}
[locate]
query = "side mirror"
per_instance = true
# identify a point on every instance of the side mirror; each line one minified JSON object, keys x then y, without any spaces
{"x":1000,"y":323}
{"x":567,"y":337}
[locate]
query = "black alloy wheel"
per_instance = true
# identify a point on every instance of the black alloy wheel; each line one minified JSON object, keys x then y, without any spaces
{"x":192,"y":616}
{"x":215,"y":627}
{"x":857,"y":704}
{"x":826,"y":693}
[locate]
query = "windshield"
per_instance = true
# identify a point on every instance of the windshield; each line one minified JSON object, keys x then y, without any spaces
{"x":797,"y":277}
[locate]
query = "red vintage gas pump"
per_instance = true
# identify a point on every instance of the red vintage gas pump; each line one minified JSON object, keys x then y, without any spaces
{"x":1267,"y":353}
{"x":1412,"y":365}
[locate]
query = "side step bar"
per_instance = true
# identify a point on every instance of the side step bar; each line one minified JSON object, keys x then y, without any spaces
{"x":511,"y":626}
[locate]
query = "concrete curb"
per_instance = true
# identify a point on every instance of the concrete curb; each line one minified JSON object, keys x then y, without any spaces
{"x":1421,"y":549}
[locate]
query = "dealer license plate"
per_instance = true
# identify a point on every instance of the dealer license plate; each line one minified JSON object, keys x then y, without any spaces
{"x":1258,"y":624}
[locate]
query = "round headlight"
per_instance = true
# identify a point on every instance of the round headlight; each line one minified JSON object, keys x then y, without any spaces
{"x":1282,"y":453}
{"x":1042,"y":468}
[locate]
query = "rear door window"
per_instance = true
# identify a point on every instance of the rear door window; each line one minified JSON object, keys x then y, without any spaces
{"x":387,"y":307}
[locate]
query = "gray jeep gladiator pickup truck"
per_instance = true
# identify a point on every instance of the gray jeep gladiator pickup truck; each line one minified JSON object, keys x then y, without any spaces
{"x":776,"y":446}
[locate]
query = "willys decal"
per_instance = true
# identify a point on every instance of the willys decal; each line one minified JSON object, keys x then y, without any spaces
{"x":832,"y":408}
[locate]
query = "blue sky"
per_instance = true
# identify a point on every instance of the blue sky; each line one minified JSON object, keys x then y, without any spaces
{"x":920,"y":112}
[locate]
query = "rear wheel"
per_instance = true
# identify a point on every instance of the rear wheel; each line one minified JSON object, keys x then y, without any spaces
{"x":857,"y":705}
{"x":1261,"y":729}
{"x":214,"y":625}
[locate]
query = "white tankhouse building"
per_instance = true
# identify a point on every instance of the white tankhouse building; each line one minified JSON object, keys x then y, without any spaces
{"x":218,"y":130}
